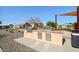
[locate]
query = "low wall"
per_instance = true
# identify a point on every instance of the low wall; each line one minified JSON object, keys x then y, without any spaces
{"x":56,"y":38}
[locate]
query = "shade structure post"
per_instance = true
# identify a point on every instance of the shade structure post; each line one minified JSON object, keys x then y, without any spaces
{"x":56,"y":21}
{"x":75,"y":33}
{"x":78,"y":18}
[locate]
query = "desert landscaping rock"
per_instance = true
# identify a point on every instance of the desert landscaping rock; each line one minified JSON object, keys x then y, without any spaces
{"x":7,"y":43}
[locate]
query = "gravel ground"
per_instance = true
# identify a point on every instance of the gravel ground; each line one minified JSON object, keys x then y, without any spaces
{"x":7,"y":43}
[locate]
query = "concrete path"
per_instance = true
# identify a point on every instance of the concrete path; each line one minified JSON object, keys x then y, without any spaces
{"x":38,"y":45}
{"x":47,"y":47}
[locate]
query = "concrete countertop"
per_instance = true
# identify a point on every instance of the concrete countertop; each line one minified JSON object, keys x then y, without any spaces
{"x":48,"y":31}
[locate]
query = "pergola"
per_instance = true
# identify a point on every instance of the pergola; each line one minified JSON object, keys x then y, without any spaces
{"x":73,"y":13}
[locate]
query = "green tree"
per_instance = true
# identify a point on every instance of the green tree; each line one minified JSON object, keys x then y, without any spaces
{"x":51,"y":23}
{"x":69,"y":24}
{"x":60,"y":27}
{"x":74,"y":25}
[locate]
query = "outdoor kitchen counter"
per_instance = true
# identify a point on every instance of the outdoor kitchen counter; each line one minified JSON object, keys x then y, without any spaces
{"x":50,"y":31}
{"x":53,"y":37}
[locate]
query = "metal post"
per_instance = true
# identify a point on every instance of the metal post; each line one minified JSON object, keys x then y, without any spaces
{"x":75,"y":33}
{"x":56,"y":20}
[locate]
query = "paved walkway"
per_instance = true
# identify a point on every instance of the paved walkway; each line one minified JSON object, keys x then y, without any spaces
{"x":47,"y":47}
{"x":37,"y":45}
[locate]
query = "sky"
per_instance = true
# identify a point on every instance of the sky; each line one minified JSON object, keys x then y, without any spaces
{"x":20,"y":14}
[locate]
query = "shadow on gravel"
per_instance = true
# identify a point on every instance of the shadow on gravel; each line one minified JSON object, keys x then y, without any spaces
{"x":1,"y":36}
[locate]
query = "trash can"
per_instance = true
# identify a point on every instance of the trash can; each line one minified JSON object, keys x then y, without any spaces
{"x":75,"y":40}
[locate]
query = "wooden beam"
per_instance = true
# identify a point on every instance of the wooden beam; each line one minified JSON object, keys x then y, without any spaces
{"x":78,"y":18}
{"x":77,"y":24}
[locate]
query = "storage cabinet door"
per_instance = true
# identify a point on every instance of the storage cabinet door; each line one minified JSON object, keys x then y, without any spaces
{"x":39,"y":35}
{"x":48,"y":36}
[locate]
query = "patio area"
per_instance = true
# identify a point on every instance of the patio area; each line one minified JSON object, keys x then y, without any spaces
{"x":47,"y":47}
